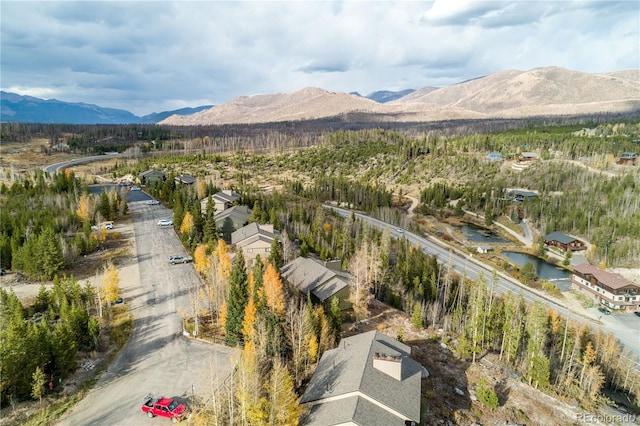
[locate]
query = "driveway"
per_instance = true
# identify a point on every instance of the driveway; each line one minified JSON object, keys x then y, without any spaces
{"x":158,"y":359}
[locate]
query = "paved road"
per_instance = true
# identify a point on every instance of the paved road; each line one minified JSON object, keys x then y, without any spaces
{"x":625,"y":326}
{"x":158,"y":358}
{"x":82,"y":160}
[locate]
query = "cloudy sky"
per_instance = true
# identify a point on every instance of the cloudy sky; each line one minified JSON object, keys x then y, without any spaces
{"x":152,"y":56}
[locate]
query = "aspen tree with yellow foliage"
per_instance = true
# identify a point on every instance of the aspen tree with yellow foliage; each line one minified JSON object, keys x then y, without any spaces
{"x":110,"y":283}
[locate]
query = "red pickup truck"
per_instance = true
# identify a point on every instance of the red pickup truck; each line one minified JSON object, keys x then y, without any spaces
{"x":164,"y":407}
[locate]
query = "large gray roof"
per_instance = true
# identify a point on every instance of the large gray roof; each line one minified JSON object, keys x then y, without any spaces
{"x":252,"y":232}
{"x":240,"y":213}
{"x":348,"y":371}
{"x":560,"y":237}
{"x":354,"y":409}
{"x":310,"y":276}
{"x":226,"y":195}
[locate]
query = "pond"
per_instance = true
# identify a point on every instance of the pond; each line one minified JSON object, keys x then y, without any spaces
{"x":558,"y":276}
{"x":478,"y":234}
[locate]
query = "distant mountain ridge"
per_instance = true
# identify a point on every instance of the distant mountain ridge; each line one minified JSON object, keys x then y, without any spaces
{"x":28,"y":109}
{"x":506,"y":94}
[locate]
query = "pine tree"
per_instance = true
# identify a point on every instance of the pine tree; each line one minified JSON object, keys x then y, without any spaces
{"x":237,"y":301}
{"x":210,"y":231}
{"x":50,"y":254}
{"x":275,"y":255}
{"x":37,"y":389}
{"x":537,"y":363}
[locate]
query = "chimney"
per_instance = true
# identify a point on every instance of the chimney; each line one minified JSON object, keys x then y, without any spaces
{"x":389,"y":364}
{"x":334,"y":265}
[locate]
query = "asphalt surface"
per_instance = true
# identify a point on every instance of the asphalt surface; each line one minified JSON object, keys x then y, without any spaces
{"x":81,"y":160}
{"x":626,"y":327}
{"x":158,"y":359}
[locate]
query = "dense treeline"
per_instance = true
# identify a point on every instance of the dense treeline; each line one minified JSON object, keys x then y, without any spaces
{"x":45,"y":222}
{"x":45,"y":336}
{"x":552,"y":353}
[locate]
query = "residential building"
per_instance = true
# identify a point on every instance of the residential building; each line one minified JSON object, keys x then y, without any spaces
{"x":322,"y":280}
{"x":494,"y":156}
{"x":185,"y":180}
{"x":564,"y":242}
{"x":152,"y":176}
{"x":607,"y":288}
{"x":526,"y":157}
{"x":224,"y":199}
{"x":520,"y":195}
{"x":628,"y":158}
{"x":254,"y":239}
{"x":239,"y":216}
{"x":369,"y":379}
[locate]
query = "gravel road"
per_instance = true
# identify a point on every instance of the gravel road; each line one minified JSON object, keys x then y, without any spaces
{"x":158,"y":359}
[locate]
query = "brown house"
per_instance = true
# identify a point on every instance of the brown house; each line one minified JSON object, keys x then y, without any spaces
{"x":564,"y":242}
{"x":628,"y":158}
{"x":607,"y":288}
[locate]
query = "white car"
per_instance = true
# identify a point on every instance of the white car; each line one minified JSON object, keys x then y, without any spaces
{"x":165,"y":222}
{"x":153,"y":202}
{"x":135,"y":188}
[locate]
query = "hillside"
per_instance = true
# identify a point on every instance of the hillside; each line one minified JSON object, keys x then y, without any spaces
{"x":305,"y":104}
{"x":510,"y":94}
{"x":539,"y":91}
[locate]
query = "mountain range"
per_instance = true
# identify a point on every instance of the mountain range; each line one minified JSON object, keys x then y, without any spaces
{"x":507,"y":94}
{"x":28,"y":109}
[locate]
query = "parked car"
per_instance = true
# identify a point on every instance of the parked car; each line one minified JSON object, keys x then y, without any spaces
{"x":165,"y":222}
{"x":637,"y":313}
{"x":180,"y":259}
{"x":604,"y":310}
{"x":164,"y":407}
{"x":135,"y":188}
{"x":108,"y":225}
{"x":153,"y":202}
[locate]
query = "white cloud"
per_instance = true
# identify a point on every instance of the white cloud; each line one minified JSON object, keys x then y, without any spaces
{"x":150,"y":56}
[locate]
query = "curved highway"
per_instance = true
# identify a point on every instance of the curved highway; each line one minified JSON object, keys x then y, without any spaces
{"x":626,"y":327}
{"x":53,"y":168}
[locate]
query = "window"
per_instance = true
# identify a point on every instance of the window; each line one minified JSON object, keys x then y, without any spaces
{"x":268,"y":249}
{"x":250,"y":250}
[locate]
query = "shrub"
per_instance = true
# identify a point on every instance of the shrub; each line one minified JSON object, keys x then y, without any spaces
{"x":486,"y":395}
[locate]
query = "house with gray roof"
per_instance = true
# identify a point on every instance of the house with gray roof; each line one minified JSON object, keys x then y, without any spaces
{"x":152,"y":176}
{"x":239,"y":216}
{"x":322,"y":280}
{"x":185,"y":180}
{"x":494,"y":156}
{"x":564,"y":242}
{"x":254,"y":239}
{"x":369,"y":379}
{"x":225,"y":199}
{"x":520,"y":195}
